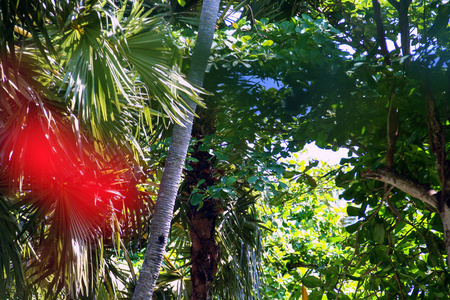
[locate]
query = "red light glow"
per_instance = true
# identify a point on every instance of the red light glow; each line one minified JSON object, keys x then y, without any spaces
{"x":50,"y":163}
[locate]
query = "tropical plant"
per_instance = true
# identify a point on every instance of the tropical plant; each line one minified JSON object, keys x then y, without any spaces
{"x":82,"y":84}
{"x":306,"y":240}
{"x":176,"y":157}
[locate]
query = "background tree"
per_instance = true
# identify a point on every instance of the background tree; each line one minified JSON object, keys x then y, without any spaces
{"x":355,"y":101}
{"x":346,"y":100}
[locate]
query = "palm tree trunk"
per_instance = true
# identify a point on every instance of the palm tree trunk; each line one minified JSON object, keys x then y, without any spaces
{"x":176,"y":157}
{"x":205,"y":253}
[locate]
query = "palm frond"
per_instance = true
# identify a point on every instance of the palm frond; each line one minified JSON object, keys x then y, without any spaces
{"x":238,"y":233}
{"x":11,"y":283}
{"x":112,"y":63}
{"x":63,"y":184}
{"x":71,"y":124}
{"x":150,"y":50}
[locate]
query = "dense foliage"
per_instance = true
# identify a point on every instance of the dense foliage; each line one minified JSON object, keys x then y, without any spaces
{"x":336,"y":83}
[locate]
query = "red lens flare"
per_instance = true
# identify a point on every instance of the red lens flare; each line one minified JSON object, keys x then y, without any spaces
{"x":35,"y":152}
{"x":61,"y":174}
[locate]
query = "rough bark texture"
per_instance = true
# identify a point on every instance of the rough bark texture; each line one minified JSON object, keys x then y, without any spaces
{"x":392,"y":130}
{"x":438,"y":200}
{"x":176,"y":157}
{"x":205,"y":252}
{"x":163,"y":213}
{"x":437,"y":142}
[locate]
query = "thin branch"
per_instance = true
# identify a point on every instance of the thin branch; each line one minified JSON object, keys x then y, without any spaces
{"x":392,"y":130}
{"x":344,"y":275}
{"x":406,"y":185}
{"x":254,"y":20}
{"x":396,"y":277}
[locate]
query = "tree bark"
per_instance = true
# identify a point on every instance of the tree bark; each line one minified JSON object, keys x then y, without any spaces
{"x":402,"y":7}
{"x":437,"y":142}
{"x":380,"y":31}
{"x":176,"y":157}
{"x":438,"y":200}
{"x":406,"y":185}
{"x":205,"y":252}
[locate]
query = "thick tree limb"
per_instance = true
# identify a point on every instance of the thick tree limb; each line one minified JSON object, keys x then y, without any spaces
{"x":437,"y":138}
{"x":436,"y":135}
{"x":402,"y":7}
{"x":406,"y":185}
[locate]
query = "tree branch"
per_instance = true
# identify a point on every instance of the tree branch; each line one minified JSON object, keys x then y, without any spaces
{"x":395,"y":4}
{"x":437,"y":142}
{"x":402,"y":7}
{"x":406,"y":185}
{"x":392,"y":130}
{"x":380,"y":31}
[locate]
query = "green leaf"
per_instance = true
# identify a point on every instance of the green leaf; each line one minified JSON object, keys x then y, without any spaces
{"x":378,"y":232}
{"x":290,"y":174}
{"x":312,"y":282}
{"x":331,"y":270}
{"x":352,"y":228}
{"x":267,"y":43}
{"x":316,"y":295}
{"x":252,"y":179}
{"x":231,"y":180}
{"x":196,"y":198}
{"x":422,"y":265}
{"x":353,"y":211}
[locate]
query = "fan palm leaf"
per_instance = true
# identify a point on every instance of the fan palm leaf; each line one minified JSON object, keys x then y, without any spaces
{"x":11,"y":258}
{"x":59,"y":183}
{"x":130,"y":64}
{"x":72,"y":109}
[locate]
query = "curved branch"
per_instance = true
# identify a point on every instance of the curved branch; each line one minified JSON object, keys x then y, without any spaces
{"x":406,"y":185}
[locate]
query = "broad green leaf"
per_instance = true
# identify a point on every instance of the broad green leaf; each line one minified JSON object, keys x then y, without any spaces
{"x":312,"y":282}
{"x":378,"y":232}
{"x":196,"y":199}
{"x":267,"y":43}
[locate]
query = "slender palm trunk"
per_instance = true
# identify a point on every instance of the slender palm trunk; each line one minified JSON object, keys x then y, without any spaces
{"x":176,"y":157}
